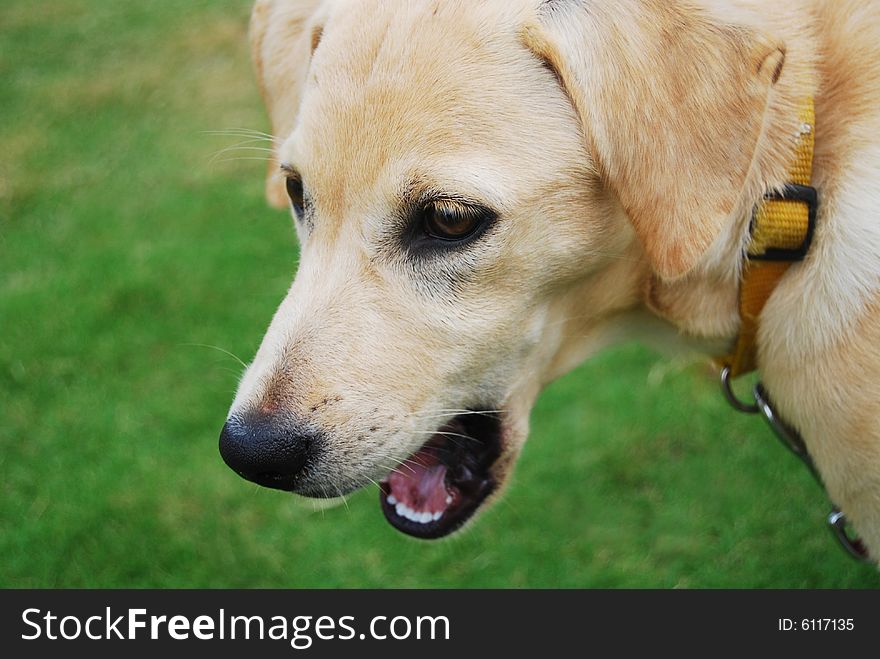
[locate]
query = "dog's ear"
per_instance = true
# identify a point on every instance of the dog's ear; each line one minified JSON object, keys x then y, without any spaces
{"x":283,"y":35}
{"x":672,"y":103}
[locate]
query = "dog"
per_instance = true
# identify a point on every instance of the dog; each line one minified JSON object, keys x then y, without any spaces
{"x":487,"y":193}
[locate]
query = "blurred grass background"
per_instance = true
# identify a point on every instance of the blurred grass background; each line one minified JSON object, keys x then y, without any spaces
{"x":122,"y":245}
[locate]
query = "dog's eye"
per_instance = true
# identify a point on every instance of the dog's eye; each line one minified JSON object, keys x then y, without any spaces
{"x":296,"y":194}
{"x":450,"y":220}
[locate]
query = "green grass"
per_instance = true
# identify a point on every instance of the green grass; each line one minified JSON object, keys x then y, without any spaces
{"x":122,"y":245}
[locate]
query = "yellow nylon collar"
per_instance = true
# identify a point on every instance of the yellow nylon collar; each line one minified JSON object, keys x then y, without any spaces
{"x":781,"y":231}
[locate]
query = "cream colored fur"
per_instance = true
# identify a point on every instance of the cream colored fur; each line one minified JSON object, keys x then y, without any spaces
{"x":623,"y":145}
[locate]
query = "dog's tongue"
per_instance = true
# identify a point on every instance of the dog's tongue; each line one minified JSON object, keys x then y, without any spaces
{"x":419,"y":485}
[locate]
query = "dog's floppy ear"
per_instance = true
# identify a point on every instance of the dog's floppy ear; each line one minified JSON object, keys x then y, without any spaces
{"x":672,"y":104}
{"x":283,"y":35}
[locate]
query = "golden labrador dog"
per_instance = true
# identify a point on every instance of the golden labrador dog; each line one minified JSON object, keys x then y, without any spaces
{"x":487,"y":192}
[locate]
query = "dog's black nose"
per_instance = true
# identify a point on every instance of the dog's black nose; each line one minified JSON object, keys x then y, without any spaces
{"x":265,"y":449}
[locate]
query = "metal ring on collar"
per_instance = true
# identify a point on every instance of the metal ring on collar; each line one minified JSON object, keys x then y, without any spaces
{"x":736,"y":403}
{"x":839,"y":526}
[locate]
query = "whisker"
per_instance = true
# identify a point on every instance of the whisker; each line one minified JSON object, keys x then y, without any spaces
{"x":461,"y":411}
{"x":400,"y":463}
{"x":216,"y":158}
{"x":376,"y":483}
{"x":433,"y":450}
{"x":258,"y":139}
{"x":240,"y":146}
{"x":324,"y":492}
{"x":250,"y":139}
{"x":392,"y":468}
{"x":452,"y":412}
{"x":266,"y":159}
{"x":342,"y":496}
{"x":226,"y":352}
{"x":240,"y":131}
{"x":445,"y":434}
{"x":243,"y":146}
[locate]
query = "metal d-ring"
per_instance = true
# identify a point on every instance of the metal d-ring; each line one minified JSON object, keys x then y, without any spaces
{"x":736,"y":403}
{"x":839,"y":526}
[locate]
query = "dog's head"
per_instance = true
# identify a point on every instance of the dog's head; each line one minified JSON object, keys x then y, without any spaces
{"x":479,"y":190}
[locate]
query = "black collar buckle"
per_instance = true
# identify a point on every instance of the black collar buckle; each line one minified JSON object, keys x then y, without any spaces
{"x":792,"y":192}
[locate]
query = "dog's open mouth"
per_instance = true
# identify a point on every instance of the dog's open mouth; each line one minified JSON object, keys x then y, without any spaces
{"x":440,"y":486}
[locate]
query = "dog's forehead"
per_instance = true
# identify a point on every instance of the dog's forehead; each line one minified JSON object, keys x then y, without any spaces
{"x":363,"y":37}
{"x":397,"y":81}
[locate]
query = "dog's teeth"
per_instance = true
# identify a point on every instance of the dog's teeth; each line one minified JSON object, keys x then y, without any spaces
{"x":448,"y":499}
{"x":392,"y":500}
{"x":408,"y":513}
{"x":405,"y":511}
